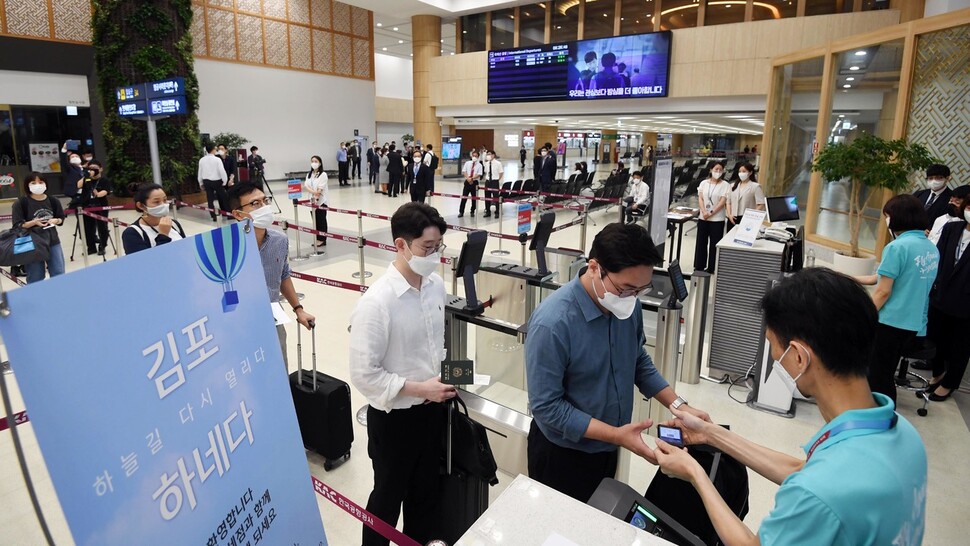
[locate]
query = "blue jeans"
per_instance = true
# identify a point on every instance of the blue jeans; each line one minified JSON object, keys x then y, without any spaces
{"x":54,"y":265}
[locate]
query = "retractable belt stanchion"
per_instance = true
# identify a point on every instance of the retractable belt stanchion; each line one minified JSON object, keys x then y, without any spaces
{"x":700,"y":283}
{"x":582,"y":231}
{"x":523,"y":237}
{"x":363,"y":273}
{"x":114,"y":225}
{"x":667,"y":349}
{"x":175,"y":207}
{"x":299,"y":256}
{"x":84,"y":236}
{"x":499,"y":252}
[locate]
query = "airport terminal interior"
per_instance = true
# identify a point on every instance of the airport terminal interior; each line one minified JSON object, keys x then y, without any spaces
{"x":756,"y":85}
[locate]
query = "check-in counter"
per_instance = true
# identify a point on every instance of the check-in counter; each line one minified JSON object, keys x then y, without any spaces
{"x":531,"y":514}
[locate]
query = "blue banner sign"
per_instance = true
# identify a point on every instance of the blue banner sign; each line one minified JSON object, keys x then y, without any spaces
{"x":167,"y":106}
{"x":170,"y":421}
{"x":130,"y":109}
{"x":131,"y":92}
{"x":166,"y":88}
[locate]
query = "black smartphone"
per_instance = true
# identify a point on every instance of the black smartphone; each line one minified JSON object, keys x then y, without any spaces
{"x":671,"y":435}
{"x":73,"y":145}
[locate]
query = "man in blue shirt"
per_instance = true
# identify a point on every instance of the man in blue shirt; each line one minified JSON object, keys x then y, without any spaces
{"x":584,"y":354}
{"x":864,"y":478}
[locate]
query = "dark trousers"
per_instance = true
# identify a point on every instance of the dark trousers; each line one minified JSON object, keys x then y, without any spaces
{"x":342,"y":169}
{"x":215,"y":190}
{"x":492,"y":192}
{"x":418,"y":194}
{"x":886,"y":350}
{"x":372,"y":174}
{"x":705,"y":253}
{"x":405,"y":450}
{"x":406,"y":183}
{"x":395,"y":184}
{"x":628,"y":209}
{"x":569,"y":471}
{"x":96,"y":232}
{"x":320,"y":221}
{"x":952,"y":351}
{"x":355,"y":167}
{"x":470,"y":191}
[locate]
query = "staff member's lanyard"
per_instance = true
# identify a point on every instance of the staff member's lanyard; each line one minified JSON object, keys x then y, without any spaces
{"x":881,"y":424}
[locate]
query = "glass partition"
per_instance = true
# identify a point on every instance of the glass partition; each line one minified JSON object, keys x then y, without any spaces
{"x":792,"y":124}
{"x":720,"y":12}
{"x":503,"y":28}
{"x":826,"y":7}
{"x":598,"y":22}
{"x":473,"y":33}
{"x":636,"y":16}
{"x":532,"y":25}
{"x":565,"y":20}
{"x":678,"y":14}
{"x":864,"y":100}
{"x":764,"y":10}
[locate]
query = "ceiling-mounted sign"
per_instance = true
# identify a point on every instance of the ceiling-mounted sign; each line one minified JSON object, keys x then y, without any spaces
{"x":167,"y":106}
{"x":159,"y":98}
{"x":131,"y":92}
{"x":134,"y":108}
{"x":166,"y":88}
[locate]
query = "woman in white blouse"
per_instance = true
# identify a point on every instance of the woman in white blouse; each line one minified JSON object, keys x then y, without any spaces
{"x":712,"y":195}
{"x":745,"y":194}
{"x":316,"y":184}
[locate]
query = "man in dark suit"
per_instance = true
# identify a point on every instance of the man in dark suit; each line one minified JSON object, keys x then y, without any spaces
{"x":547,"y":170}
{"x":420,"y":177}
{"x":537,"y":164}
{"x":395,"y":171}
{"x":229,"y":163}
{"x":936,"y":197}
{"x":371,"y":173}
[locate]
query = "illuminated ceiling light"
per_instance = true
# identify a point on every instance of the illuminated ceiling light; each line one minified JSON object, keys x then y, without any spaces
{"x":846,"y":86}
{"x":442,"y":40}
{"x":380,"y":24}
{"x":452,"y":52}
{"x":400,"y":41}
{"x":383,"y":49}
{"x":775,"y":13}
{"x":860,"y":53}
{"x":854,"y":68}
{"x":850,"y":79}
{"x":395,"y":29}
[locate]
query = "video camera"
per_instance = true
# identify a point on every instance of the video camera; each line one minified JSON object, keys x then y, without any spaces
{"x":256,"y":163}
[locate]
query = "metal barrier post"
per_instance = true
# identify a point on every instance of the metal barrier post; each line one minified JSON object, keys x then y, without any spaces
{"x":499,"y":252}
{"x":700,"y":285}
{"x":363,"y":273}
{"x":175,"y":209}
{"x":582,"y":231}
{"x":666,"y":353}
{"x":84,"y":237}
{"x":299,"y":256}
{"x":114,"y":223}
{"x":454,"y":277}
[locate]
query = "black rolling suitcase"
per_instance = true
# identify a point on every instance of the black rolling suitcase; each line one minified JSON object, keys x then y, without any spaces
{"x":322,"y":407}
{"x":463,"y":495}
{"x":680,"y":500}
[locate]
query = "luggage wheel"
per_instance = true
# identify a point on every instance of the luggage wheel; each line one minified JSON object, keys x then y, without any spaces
{"x":329,"y":465}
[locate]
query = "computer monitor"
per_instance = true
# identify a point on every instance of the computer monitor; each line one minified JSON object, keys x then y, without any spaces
{"x":782,"y":208}
{"x":540,"y":238}
{"x":469,"y":260}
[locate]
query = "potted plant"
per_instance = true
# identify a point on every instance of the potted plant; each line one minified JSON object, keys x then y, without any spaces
{"x":231,"y":141}
{"x":406,"y":139}
{"x":868,"y":161}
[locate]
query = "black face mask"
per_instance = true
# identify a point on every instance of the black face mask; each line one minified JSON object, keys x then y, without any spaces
{"x":954,"y":211}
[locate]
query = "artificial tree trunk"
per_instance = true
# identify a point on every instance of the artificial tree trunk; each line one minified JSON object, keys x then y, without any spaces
{"x":855,"y":217}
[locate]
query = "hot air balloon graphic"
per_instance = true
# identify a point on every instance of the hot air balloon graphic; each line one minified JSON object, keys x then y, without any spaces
{"x":220,"y":254}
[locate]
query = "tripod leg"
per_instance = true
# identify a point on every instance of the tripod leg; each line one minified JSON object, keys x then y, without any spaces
{"x":271,"y":195}
{"x":77,"y":232}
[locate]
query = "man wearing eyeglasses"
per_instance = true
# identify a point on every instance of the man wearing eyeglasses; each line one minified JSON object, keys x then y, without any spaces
{"x":584,"y":354}
{"x":248,"y":201}
{"x":397,"y":343}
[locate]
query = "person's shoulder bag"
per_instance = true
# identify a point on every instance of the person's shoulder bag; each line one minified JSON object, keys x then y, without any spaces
{"x":20,"y":246}
{"x":470,"y":450}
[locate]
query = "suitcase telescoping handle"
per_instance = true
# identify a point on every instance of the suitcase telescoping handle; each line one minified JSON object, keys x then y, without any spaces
{"x":299,"y":353}
{"x":451,"y":409}
{"x":313,"y":351}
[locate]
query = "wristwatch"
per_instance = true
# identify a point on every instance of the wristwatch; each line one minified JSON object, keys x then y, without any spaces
{"x":679,"y":401}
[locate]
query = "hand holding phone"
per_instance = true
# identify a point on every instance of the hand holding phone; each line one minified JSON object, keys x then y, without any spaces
{"x":672,"y":435}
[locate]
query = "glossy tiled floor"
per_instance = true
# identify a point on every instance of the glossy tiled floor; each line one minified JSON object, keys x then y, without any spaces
{"x":944,"y":431}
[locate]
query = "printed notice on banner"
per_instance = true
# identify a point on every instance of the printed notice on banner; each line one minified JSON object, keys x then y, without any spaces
{"x":749,"y":227}
{"x":171,"y":421}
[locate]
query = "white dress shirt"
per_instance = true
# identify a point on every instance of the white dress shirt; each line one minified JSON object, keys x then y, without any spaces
{"x":315,"y":184}
{"x":493,"y":170}
{"x":938,"y":226}
{"x":640,"y":193}
{"x":211,"y":168}
{"x":397,"y":333}
{"x":712,"y":195}
{"x":472,"y":169}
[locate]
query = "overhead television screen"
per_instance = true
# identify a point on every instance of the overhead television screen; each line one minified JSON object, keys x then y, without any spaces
{"x":621,"y":67}
{"x":451,"y":150}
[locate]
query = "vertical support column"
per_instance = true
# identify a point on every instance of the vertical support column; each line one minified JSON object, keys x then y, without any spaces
{"x":426,"y":45}
{"x":153,"y":151}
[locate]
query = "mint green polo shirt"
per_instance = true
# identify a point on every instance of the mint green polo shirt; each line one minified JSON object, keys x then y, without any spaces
{"x":861,"y":486}
{"x":911,"y":261}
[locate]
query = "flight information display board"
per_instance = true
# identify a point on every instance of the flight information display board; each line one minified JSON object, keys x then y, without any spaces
{"x":636,"y":66}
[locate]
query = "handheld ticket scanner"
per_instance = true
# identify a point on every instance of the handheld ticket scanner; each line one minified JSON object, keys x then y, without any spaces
{"x":622,"y":502}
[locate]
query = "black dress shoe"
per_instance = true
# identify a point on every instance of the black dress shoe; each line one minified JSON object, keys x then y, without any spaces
{"x":921,"y":365}
{"x":939,"y":397}
{"x":460,"y":215}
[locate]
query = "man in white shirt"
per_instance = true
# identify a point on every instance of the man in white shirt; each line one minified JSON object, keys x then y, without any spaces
{"x":213,"y":179}
{"x":472,"y":171}
{"x":954,"y":213}
{"x":397,"y":336}
{"x":493,"y":171}
{"x":639,"y":198}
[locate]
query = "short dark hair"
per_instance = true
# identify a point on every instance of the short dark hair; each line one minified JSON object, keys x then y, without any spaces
{"x":960,"y":192}
{"x":253,"y":148}
{"x":830,"y":312}
{"x":143,"y":192}
{"x":608,"y":59}
{"x":209,"y":147}
{"x":238,"y":192}
{"x":637,"y":173}
{"x":411,"y":219}
{"x":906,"y":213}
{"x":430,"y":147}
{"x":620,"y":246}
{"x":87,"y":151}
{"x":33,"y":176}
{"x":95,"y":162}
{"x":938,"y":170}
{"x":590,"y":56}
{"x":392,"y":147}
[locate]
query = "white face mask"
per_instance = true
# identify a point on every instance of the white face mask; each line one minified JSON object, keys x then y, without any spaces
{"x":791,"y":383}
{"x":314,"y":165}
{"x":38,"y":189}
{"x":417,"y":159}
{"x":262,"y":217}
{"x":936,"y":184}
{"x":637,"y":181}
{"x":716,"y":174}
{"x":158,"y":211}
{"x":544,"y":153}
{"x":488,"y":157}
{"x":424,"y":265}
{"x":622,"y":308}
{"x":887,"y":221}
{"x":743,"y":176}
{"x":75,"y":160}
{"x":966,"y":215}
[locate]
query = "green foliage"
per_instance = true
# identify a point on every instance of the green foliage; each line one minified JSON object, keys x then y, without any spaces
{"x":230,"y":140}
{"x":870,"y":162}
{"x":406,"y":138}
{"x":141,"y":42}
